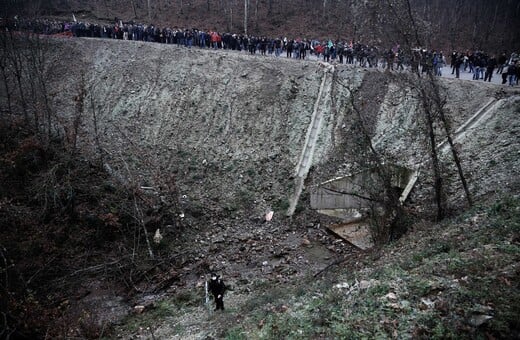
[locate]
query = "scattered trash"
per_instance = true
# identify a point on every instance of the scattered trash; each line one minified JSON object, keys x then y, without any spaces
{"x":479,"y":320}
{"x":390,"y":296}
{"x":269,"y":216}
{"x":482,"y":309}
{"x":157,"y":238}
{"x":342,"y":285}
{"x":139,"y":309}
{"x":399,"y":305}
{"x":427,"y":303}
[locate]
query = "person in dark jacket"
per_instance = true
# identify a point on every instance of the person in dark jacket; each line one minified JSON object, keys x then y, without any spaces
{"x":454,"y":57}
{"x":502,"y":61}
{"x":490,"y":67}
{"x":458,"y":61}
{"x":217,"y":288}
{"x":511,"y":74}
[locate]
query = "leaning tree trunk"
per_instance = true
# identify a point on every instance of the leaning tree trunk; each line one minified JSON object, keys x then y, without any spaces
{"x":437,"y":186}
{"x":446,"y":124}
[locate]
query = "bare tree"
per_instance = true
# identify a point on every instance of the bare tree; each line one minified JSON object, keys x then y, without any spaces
{"x":16,"y":63}
{"x":246,"y":7}
{"x":4,"y":69}
{"x":38,"y":51}
{"x":432,"y":102}
{"x":135,"y":9}
{"x":231,"y":19}
{"x":438,"y":184}
{"x":439,"y":105}
{"x":377,"y":190}
{"x":256,"y":15}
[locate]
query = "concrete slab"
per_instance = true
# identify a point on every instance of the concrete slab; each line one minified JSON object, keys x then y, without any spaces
{"x":356,"y":233}
{"x":349,"y":192}
{"x":347,"y":198}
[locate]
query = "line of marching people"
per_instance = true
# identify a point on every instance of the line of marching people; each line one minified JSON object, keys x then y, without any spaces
{"x":481,"y":65}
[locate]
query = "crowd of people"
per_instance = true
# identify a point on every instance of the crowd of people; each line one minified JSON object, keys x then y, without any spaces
{"x":483,"y":66}
{"x":480,"y":64}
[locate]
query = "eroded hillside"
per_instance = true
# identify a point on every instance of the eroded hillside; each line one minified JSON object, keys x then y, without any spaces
{"x":228,"y":132}
{"x":231,"y":127}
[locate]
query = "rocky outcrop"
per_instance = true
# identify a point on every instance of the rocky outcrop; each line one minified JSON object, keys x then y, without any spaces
{"x":232,"y":127}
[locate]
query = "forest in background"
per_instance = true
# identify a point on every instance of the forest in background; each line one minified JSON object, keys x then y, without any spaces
{"x":448,"y":25}
{"x":70,"y":220}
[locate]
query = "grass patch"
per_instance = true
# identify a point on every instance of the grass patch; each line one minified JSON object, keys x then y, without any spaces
{"x":236,"y":333}
{"x":440,"y":278}
{"x":160,"y":311}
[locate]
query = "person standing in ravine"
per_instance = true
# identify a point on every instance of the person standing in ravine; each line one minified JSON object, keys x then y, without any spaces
{"x":217,"y":288}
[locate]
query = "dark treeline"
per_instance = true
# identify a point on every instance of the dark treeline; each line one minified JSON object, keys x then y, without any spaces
{"x":474,"y":24}
{"x":449,"y":25}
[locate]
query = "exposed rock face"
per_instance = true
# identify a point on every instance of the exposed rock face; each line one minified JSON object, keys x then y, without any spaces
{"x":231,"y":127}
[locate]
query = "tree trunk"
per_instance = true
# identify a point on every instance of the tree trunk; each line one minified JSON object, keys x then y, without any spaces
{"x":491,"y":28}
{"x":107,"y":14}
{"x":447,"y":131}
{"x":231,"y":19}
{"x":256,"y":15}
{"x":135,"y":10}
{"x":437,"y":186}
{"x":3,"y":67}
{"x":17,"y":64}
{"x":7,"y":90}
{"x":245,"y":15}
{"x":40,"y":60}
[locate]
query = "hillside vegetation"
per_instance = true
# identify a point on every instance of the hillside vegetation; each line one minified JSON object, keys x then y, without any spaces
{"x":454,"y":280}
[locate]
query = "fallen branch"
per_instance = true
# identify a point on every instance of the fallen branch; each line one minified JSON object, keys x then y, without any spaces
{"x":335,"y":263}
{"x":42,"y":268}
{"x":96,"y":267}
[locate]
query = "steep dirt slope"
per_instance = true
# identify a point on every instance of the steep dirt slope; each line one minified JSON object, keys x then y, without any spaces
{"x":219,"y":111}
{"x":230,"y":129}
{"x":204,"y":114}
